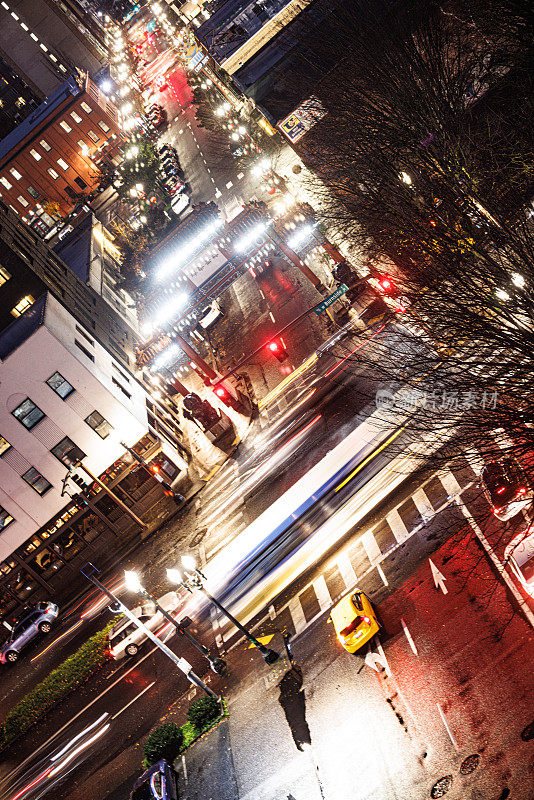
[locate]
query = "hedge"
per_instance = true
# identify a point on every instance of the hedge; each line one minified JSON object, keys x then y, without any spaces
{"x":76,"y":669}
{"x":203,"y":711}
{"x":164,"y":742}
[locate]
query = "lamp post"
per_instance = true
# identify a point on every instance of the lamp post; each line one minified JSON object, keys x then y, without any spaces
{"x":89,"y":571}
{"x":195,"y":580}
{"x":218,"y":665}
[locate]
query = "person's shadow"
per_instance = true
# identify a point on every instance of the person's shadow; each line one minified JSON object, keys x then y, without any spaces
{"x":293,"y":702}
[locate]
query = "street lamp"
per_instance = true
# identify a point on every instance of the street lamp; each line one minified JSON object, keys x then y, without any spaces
{"x":195,"y":580}
{"x":134,"y":585}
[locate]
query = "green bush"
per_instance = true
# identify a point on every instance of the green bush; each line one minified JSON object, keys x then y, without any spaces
{"x":76,"y":669}
{"x":203,"y":711}
{"x":163,"y":742}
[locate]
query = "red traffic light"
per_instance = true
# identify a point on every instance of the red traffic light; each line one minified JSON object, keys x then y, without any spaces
{"x":224,"y":395}
{"x":276,"y":347}
{"x":154,"y":468}
{"x":386,"y":284}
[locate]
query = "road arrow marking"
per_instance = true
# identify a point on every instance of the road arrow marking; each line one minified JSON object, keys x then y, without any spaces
{"x":377,"y":660}
{"x":439,"y":578}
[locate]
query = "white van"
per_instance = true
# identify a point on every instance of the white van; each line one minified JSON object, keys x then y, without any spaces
{"x":180,"y":202}
{"x":125,"y":638}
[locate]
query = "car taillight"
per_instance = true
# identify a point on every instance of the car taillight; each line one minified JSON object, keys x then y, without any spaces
{"x":366,"y":620}
{"x":501,"y":489}
{"x":522,"y":490}
{"x":497,"y":510}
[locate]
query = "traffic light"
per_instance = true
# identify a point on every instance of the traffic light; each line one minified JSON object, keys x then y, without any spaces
{"x":276,"y":347}
{"x":79,"y":481}
{"x":386,"y":285}
{"x":226,"y":397}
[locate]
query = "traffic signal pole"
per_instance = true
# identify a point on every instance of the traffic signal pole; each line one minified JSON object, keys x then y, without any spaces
{"x":196,"y":358}
{"x":113,"y":496}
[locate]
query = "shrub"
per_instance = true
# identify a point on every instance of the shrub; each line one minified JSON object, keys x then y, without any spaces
{"x":76,"y":669}
{"x":163,"y":742}
{"x":203,"y":711}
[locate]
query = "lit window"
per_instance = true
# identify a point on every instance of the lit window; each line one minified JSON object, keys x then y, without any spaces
{"x":22,"y":305}
{"x":65,"y":125}
{"x":76,"y":117}
{"x":20,"y":101}
{"x":63,"y":164}
{"x":28,"y":414}
{"x":4,"y":275}
{"x":36,"y":481}
{"x":104,"y":127}
{"x":34,"y":193}
{"x":53,"y":173}
{"x":100,"y":425}
{"x":87,"y":108}
{"x":4,"y":446}
{"x":22,"y":200}
{"x":16,"y":174}
{"x":59,"y":385}
{"x":67,"y":452}
{"x":5,"y":518}
{"x":44,"y":144}
{"x":5,"y":182}
{"x":43,"y":47}
{"x":94,"y":136}
{"x":36,"y":155}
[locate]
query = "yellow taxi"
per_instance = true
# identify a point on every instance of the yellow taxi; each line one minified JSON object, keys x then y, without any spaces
{"x":354,"y":620}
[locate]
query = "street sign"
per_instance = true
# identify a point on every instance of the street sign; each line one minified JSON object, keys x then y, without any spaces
{"x":262,"y":640}
{"x":331,"y":299}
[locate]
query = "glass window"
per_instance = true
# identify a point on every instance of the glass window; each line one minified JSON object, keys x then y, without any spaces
{"x":86,"y":107}
{"x":84,"y":350}
{"x":60,"y":386}
{"x":76,"y":117}
{"x":22,"y":200}
{"x":100,"y":425}
{"x":63,"y":164}
{"x":4,"y":446}
{"x":16,"y":174}
{"x":44,"y":144}
{"x":46,"y":562}
{"x":5,"y":518}
{"x":28,"y":413}
{"x":22,"y":305}
{"x":53,"y":173}
{"x":104,"y":127}
{"x":67,"y":452}
{"x":83,"y":147}
{"x":4,"y":275}
{"x":94,"y":136}
{"x":6,"y":183}
{"x":33,"y":192}
{"x":36,"y":481}
{"x":118,"y":385}
{"x":35,"y":154}
{"x":65,"y":125}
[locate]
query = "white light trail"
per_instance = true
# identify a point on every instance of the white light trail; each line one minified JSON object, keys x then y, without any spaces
{"x":79,"y":736}
{"x":78,"y":750}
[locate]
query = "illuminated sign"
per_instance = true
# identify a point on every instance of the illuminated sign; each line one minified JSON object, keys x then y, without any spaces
{"x":302,"y":119}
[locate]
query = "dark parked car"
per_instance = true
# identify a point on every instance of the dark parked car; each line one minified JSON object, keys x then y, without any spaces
{"x":35,"y":621}
{"x":506,"y":488}
{"x":157,"y":783}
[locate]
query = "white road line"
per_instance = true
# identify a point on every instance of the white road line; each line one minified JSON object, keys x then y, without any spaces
{"x":398,"y":528}
{"x":450,"y":483}
{"x":150,"y":685}
{"x":382,"y":575}
{"x":297,"y":614}
{"x":346,"y":570}
{"x":451,"y":737}
{"x":229,"y":185}
{"x":272,"y":316}
{"x":423,"y":504}
{"x":409,"y":637}
{"x":240,"y":175}
{"x":218,"y":193}
{"x":370,"y":546}
{"x":184,"y":765}
{"x":323,"y":595}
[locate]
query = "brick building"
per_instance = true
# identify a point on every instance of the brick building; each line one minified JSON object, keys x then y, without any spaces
{"x":51,"y":160}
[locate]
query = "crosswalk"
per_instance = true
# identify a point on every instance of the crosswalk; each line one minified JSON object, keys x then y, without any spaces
{"x":361,"y":555}
{"x":220,"y":511}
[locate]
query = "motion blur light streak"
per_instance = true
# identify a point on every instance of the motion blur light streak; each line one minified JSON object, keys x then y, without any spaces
{"x":32,"y":785}
{"x":79,"y":736}
{"x":380,"y":329}
{"x":78,"y":750}
{"x":370,"y":456}
{"x":58,"y":639}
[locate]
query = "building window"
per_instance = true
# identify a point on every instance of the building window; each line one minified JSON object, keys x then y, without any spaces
{"x":33,"y":192}
{"x":22,"y":200}
{"x":6,"y":183}
{"x":36,"y":481}
{"x":44,"y":144}
{"x":53,"y":173}
{"x":104,"y":127}
{"x":65,"y":125}
{"x":86,"y":107}
{"x":76,"y":117}
{"x":36,"y":155}
{"x":118,"y":385}
{"x":80,"y":182}
{"x":4,"y":275}
{"x":100,"y":425}
{"x":67,"y":452}
{"x":60,"y":385}
{"x":16,"y":174}
{"x":23,"y":305}
{"x":5,"y":518}
{"x":85,"y":336}
{"x":84,"y":350}
{"x":94,"y":136}
{"x":83,"y":147}
{"x":4,"y":446}
{"x":28,"y":414}
{"x":63,"y":164}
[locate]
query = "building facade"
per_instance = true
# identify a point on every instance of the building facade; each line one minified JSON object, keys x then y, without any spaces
{"x":17,"y":99}
{"x":50,"y":162}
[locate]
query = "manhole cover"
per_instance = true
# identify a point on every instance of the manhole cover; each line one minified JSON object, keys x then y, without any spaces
{"x":441,"y":787}
{"x":469,"y":764}
{"x":528,"y":733}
